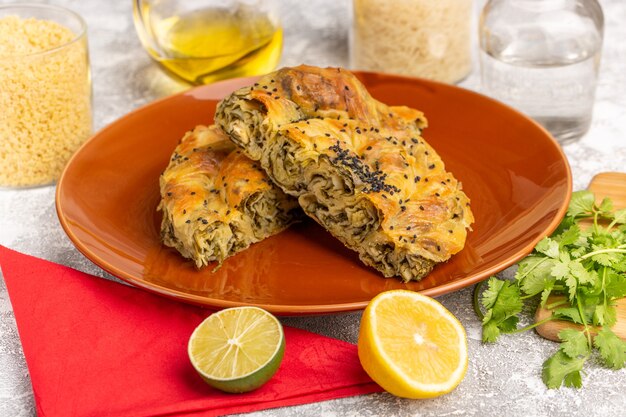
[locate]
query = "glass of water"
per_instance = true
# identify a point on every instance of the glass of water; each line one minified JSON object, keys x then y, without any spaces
{"x":542,"y":57}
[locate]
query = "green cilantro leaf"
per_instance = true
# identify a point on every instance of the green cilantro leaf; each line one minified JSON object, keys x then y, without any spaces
{"x":619,"y":216}
{"x":560,"y":270}
{"x":548,"y":247}
{"x":568,"y":236}
{"x":561,"y":369}
{"x":533,"y":274}
{"x":612,"y":349}
{"x":572,"y":285}
{"x":606,"y":206}
{"x":574,"y":344}
{"x":615,"y":286}
{"x":502,"y":301}
{"x":604,"y":315}
{"x":583,"y":276}
{"x":568,"y":313}
{"x":582,"y":203}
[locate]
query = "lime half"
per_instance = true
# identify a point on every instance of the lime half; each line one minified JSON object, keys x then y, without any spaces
{"x":237,"y":349}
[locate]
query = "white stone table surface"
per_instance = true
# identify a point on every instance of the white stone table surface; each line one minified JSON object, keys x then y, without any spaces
{"x":503,"y":378}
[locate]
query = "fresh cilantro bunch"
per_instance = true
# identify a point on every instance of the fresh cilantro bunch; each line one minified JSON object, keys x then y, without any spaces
{"x":587,"y":268}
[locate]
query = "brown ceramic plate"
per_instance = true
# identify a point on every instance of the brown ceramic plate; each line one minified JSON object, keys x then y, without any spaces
{"x":516,"y":175}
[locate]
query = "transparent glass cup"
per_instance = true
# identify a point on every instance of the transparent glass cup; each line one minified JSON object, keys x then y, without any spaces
{"x":45,"y":92}
{"x":203,"y":41}
{"x":542,"y":57}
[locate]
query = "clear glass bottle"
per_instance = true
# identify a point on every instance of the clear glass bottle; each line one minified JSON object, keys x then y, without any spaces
{"x":422,"y":38}
{"x":542,"y":57}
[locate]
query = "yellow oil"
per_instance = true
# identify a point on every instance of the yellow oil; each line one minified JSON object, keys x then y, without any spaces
{"x":213,"y":44}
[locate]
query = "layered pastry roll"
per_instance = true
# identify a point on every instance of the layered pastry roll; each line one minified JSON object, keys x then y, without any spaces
{"x":360,"y":168}
{"x":216,"y":201}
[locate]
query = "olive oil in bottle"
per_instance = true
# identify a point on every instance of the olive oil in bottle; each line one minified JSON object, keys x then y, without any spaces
{"x":211,"y":44}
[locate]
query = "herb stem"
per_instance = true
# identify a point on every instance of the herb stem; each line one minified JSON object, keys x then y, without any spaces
{"x":556,"y":304}
{"x":584,"y":320}
{"x":531,"y":326}
{"x":597,"y":252}
{"x":475,"y":302}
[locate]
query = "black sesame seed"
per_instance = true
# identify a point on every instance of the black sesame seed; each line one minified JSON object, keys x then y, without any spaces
{"x":188,"y":221}
{"x":449,"y":231}
{"x":390,"y":227}
{"x":193,"y":193}
{"x":369,"y":148}
{"x":204,"y":221}
{"x":422,"y":208}
{"x":437,"y":195}
{"x":438,"y":248}
{"x":406,"y":177}
{"x":417,"y":178}
{"x":169,"y":194}
{"x":408,"y":228}
{"x":298,"y":87}
{"x":346,"y":88}
{"x":431,"y":166}
{"x":184,"y":211}
{"x":403,"y":208}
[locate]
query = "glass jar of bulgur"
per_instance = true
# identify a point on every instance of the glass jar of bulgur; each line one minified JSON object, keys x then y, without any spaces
{"x":421,"y":38}
{"x":45,"y":92}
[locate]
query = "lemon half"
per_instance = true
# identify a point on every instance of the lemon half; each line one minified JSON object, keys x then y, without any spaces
{"x":411,"y":345}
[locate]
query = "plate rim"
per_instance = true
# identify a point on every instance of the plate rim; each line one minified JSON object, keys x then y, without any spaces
{"x":297,"y":309}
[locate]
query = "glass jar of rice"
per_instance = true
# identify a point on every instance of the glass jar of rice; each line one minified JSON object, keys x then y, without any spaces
{"x":422,"y":38}
{"x":45,"y":92}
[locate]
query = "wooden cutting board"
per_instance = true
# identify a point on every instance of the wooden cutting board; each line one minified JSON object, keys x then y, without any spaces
{"x":612,"y":185}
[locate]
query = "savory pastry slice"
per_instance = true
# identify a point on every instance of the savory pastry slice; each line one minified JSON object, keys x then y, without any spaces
{"x":358,"y":167}
{"x":217,"y":202}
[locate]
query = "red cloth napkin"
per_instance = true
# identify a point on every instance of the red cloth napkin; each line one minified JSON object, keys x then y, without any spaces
{"x":98,"y":348}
